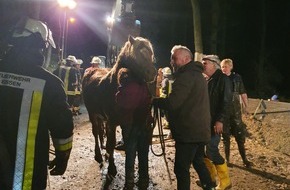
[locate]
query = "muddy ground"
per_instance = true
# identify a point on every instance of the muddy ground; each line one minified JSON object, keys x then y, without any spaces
{"x":267,"y":147}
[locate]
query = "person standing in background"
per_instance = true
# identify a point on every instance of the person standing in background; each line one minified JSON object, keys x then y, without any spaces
{"x":78,"y":96}
{"x":68,"y":74}
{"x":235,"y":124}
{"x":220,"y":95}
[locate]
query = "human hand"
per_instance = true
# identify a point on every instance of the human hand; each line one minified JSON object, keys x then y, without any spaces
{"x":218,"y":127}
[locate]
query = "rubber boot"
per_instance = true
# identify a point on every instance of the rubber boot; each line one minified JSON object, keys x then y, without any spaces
{"x":242,"y":151}
{"x":224,"y":178}
{"x":212,"y":170}
{"x":227,"y":144}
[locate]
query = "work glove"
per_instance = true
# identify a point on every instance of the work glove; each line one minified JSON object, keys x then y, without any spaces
{"x":58,"y":165}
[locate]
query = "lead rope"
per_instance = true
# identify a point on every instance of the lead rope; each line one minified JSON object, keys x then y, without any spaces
{"x":157,"y":119}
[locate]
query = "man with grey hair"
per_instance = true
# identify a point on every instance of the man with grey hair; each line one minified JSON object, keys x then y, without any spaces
{"x":188,"y":116}
{"x":220,"y":94}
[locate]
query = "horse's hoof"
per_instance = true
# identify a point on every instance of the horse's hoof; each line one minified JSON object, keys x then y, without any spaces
{"x":99,"y":159}
{"x":107,"y":155}
{"x":112,"y":171}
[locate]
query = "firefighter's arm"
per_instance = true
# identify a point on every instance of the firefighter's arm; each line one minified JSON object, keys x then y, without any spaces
{"x":62,"y":153}
{"x":61,"y":129}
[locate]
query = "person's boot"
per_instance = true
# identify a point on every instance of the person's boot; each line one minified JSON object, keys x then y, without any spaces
{"x":242,"y":151}
{"x":224,"y":178}
{"x":129,"y":181}
{"x":212,"y":170}
{"x":143,"y":184}
{"x":227,"y":144}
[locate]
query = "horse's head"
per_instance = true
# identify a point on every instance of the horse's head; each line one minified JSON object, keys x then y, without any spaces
{"x":138,"y":56}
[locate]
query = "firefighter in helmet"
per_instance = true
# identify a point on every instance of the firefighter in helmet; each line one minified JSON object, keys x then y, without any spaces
{"x":68,"y":74}
{"x":33,"y":107}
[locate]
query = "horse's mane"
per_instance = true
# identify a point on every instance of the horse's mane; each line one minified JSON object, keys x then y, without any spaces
{"x":135,"y":53}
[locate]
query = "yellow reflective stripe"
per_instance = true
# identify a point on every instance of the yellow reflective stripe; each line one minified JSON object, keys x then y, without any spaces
{"x":30,"y":147}
{"x":62,"y":144}
{"x":64,"y":147}
{"x":70,"y":92}
{"x":66,"y":78}
{"x":170,"y":86}
{"x":27,"y":127}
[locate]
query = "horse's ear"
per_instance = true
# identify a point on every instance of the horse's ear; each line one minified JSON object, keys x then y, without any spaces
{"x":131,"y":39}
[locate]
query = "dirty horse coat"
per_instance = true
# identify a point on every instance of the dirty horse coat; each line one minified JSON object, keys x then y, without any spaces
{"x":100,"y":87}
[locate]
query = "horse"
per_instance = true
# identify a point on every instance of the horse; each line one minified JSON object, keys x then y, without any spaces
{"x":101,"y":85}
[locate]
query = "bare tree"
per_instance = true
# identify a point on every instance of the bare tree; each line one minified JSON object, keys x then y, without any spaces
{"x":260,"y":82}
{"x":197,"y":30}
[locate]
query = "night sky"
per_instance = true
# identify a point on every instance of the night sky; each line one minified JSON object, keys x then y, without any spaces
{"x":169,"y":22}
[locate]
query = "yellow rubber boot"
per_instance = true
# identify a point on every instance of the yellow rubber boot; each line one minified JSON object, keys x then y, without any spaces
{"x":211,"y":168}
{"x":224,"y":178}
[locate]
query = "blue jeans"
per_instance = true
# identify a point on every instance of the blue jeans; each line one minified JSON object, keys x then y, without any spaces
{"x":212,"y":150}
{"x":185,"y":155}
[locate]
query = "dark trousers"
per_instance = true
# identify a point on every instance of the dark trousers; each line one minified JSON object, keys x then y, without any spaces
{"x":185,"y":155}
{"x":136,"y":139}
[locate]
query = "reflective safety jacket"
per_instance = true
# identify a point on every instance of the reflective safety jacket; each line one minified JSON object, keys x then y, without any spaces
{"x":32,"y":107}
{"x":69,"y":77}
{"x":166,"y":86}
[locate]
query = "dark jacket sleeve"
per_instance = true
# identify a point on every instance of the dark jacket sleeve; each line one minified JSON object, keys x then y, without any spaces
{"x":59,"y":118}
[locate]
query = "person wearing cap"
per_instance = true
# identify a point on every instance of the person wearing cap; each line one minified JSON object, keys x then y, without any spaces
{"x":78,"y":96}
{"x":68,"y":74}
{"x":220,"y":95}
{"x":188,"y":116}
{"x":33,"y":108}
{"x":235,"y":124}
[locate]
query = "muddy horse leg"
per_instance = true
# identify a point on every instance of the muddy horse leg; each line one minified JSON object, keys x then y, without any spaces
{"x":95,"y":129}
{"x":110,"y":146}
{"x":101,"y":132}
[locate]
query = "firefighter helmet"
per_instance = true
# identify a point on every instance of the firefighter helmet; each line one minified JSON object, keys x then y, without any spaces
{"x":96,"y":60}
{"x":28,"y":26}
{"x":72,"y":59}
{"x":166,"y":71}
{"x":79,"y":61}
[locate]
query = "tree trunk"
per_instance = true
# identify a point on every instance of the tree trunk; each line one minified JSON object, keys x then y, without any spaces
{"x":260,"y":83}
{"x":197,"y":30}
{"x":214,"y":27}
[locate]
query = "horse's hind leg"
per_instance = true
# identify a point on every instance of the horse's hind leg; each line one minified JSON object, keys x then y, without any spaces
{"x":95,"y":129}
{"x":101,"y":132}
{"x":110,"y":146}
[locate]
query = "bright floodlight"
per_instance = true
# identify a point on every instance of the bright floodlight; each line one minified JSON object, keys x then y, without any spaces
{"x":72,"y":20}
{"x":71,"y":4}
{"x":110,"y":21}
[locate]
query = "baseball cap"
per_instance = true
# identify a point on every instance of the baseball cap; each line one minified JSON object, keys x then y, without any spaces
{"x":213,"y":58}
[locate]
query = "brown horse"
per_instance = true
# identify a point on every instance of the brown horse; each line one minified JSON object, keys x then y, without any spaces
{"x":100,"y":87}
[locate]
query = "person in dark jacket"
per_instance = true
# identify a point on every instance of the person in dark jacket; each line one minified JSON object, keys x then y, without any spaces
{"x":33,"y":107}
{"x":189,"y":117}
{"x":235,"y":124}
{"x":220,"y":95}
